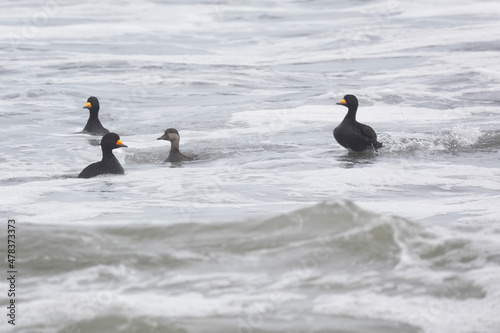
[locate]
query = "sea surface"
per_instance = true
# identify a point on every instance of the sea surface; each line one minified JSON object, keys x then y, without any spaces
{"x":274,"y":227}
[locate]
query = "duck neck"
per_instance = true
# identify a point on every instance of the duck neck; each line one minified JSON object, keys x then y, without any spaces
{"x":351,"y":114}
{"x":107,"y":154}
{"x":174,"y":145}
{"x":93,"y":114}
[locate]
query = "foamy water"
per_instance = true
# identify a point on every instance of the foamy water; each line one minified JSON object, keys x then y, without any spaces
{"x":274,"y":227}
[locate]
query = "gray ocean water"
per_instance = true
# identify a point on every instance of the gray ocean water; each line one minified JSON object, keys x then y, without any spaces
{"x":274,"y":227}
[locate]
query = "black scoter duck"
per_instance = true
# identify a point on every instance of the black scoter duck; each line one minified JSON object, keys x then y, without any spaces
{"x":175,"y":155}
{"x":109,"y":164}
{"x":94,"y":126}
{"x":353,"y":135}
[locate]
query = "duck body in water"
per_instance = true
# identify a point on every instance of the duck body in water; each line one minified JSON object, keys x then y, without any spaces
{"x":175,"y":155}
{"x":351,"y":134}
{"x":109,"y":163}
{"x":94,"y":125}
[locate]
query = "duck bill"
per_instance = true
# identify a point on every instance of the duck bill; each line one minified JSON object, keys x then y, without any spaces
{"x":342,"y":102}
{"x":119,"y":143}
{"x":87,"y":106}
{"x":163,"y":137}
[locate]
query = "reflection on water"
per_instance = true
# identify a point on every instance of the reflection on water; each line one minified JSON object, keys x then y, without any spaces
{"x":95,"y":141}
{"x":352,"y":159}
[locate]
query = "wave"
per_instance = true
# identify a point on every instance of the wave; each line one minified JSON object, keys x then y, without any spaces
{"x":459,"y":138}
{"x":333,"y":253}
{"x":338,"y":229}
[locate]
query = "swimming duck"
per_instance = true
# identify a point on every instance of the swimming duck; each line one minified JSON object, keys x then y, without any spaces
{"x":94,"y":126}
{"x":109,"y":164}
{"x":172,"y":135}
{"x":353,"y":135}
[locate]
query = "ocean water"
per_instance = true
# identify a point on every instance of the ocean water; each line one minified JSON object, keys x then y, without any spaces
{"x":274,"y":227}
